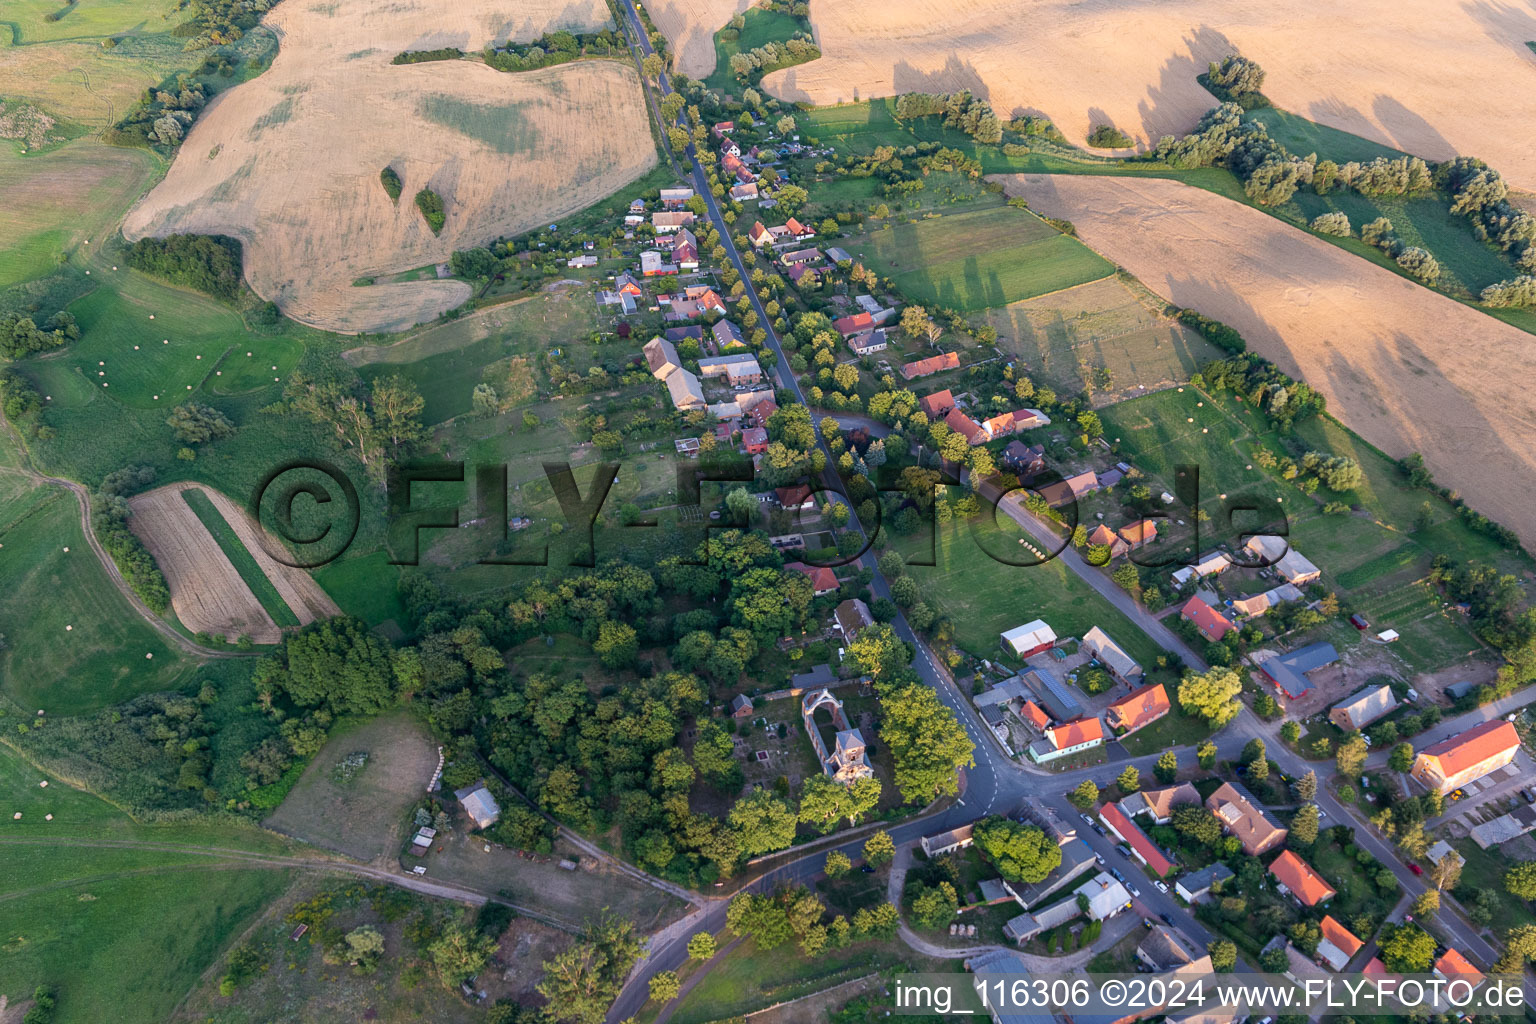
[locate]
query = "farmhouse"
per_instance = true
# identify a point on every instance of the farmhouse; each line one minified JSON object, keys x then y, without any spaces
{"x":684,"y":389}
{"x":858,"y":323}
{"x":1289,"y":671}
{"x":1259,"y":604}
{"x":653,"y":264}
{"x":1338,"y":944}
{"x":1211,"y":623}
{"x":1242,"y":817}
{"x":1126,"y":830}
{"x":1138,"y":709}
{"x":933,"y":364}
{"x":1065,"y":491}
{"x":1139,"y":534}
{"x":1029,"y":639}
{"x":661,"y":357}
{"x":1022,"y":460}
{"x":1197,"y":885}
{"x":1121,"y":666}
{"x":726,"y":334}
{"x":947,"y":842}
{"x":666,"y":222}
{"x":754,"y":440}
{"x":1053,"y":694}
{"x":478,"y":804}
{"x":847,"y":760}
{"x":823,"y":580}
{"x":1455,"y":762}
{"x":852,"y":617}
{"x":1014,"y":422}
{"x":1363,"y":707}
{"x":737,"y":370}
{"x":966,"y":427}
{"x":1295,"y":877}
{"x":1067,"y":738}
{"x":937,"y":405}
{"x":1292,"y":566}
{"x":1159,"y":804}
{"x":868,"y":343}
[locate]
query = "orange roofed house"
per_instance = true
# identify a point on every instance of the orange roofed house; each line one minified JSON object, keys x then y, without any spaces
{"x":1456,"y":967}
{"x":937,"y":405}
{"x":966,"y":427}
{"x":1297,"y":878}
{"x":1139,"y":708}
{"x":933,"y":364}
{"x":1453,"y":763}
{"x":823,"y":580}
{"x":1337,"y":945}
{"x":1067,"y":738}
{"x":1211,"y":623}
{"x":1242,"y":817}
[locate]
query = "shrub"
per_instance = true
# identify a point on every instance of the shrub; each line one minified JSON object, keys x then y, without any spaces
{"x":1336,"y":224}
{"x":391,"y":182}
{"x":423,"y":56}
{"x":1381,"y":234}
{"x":1519,"y":291}
{"x":431,"y":206}
{"x":1107,"y":136}
{"x":1420,"y":263}
{"x":1236,"y":75}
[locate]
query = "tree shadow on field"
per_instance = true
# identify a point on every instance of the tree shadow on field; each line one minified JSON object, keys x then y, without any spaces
{"x":1513,"y":24}
{"x":954,"y":76}
{"x":1175,"y":103}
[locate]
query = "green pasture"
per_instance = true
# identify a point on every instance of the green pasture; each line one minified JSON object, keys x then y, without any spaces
{"x":248,"y":366}
{"x":759,"y":26}
{"x":86,"y":19}
{"x":366,"y":586}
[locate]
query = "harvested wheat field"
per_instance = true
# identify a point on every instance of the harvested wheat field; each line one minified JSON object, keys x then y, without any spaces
{"x":690,"y":27}
{"x":290,"y":162}
{"x":1406,"y":368}
{"x":1427,"y":77}
{"x":295,"y":586}
{"x":207,"y":593}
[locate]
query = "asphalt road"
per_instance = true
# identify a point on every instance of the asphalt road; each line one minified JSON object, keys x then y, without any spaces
{"x":997,"y":784}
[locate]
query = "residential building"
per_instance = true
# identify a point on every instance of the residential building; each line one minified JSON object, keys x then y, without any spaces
{"x":1030,"y":712}
{"x":858,"y":323}
{"x":741,"y":706}
{"x":744,"y":192}
{"x":1138,"y":534}
{"x":823,"y":580}
{"x":625,"y":284}
{"x":726,"y":335}
{"x":754,"y":440}
{"x":847,"y":760}
{"x":937,"y":405}
{"x":677,"y":334}
{"x":794,"y":256}
{"x":1211,"y":623}
{"x":738,"y":370}
{"x":947,"y":842}
{"x":685,"y":249}
{"x":1029,"y":639}
{"x":478,"y":804}
{"x":1142,"y":848}
{"x":800,"y":271}
{"x":1363,"y":707}
{"x":1121,"y":666}
{"x":852,"y":617}
{"x":819,"y":676}
{"x":1292,"y":566}
{"x":1337,"y":945}
{"x":1076,"y":858}
{"x":1013,"y":422}
{"x":1106,"y":896}
{"x":760,"y":236}
{"x":674,"y":198}
{"x":666,"y":222}
{"x":1212,"y":563}
{"x":1165,"y":949}
{"x":966,"y":427}
{"x":795,"y":496}
{"x":1067,"y":738}
{"x":1289,"y":671}
{"x":653,"y":264}
{"x":1022,"y":460}
{"x":1295,"y":877}
{"x":868,"y":343}
{"x":933,"y":364}
{"x":1196,"y":885}
{"x":1259,"y":604}
{"x":1452,"y":965}
{"x":1159,"y":804}
{"x":1053,"y":694}
{"x":685,"y":391}
{"x":1103,"y":536}
{"x":1138,"y":709}
{"x":581,"y":262}
{"x":1065,"y":491}
{"x":661,"y":358}
{"x":799,"y":232}
{"x":1008,"y":967}
{"x":1241,"y":816}
{"x":1460,"y":760}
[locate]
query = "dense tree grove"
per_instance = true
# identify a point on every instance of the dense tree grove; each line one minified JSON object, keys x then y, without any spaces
{"x":554,"y":48}
{"x":207,"y":263}
{"x":431,"y":206}
{"x":109,"y":521}
{"x":1236,"y":75}
{"x":20,"y":336}
{"x":195,"y":423}
{"x":1021,"y":853}
{"x":960,"y":110}
{"x":21,"y":404}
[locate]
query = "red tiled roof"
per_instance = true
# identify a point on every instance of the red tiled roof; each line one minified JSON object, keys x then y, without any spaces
{"x":1375,"y":967}
{"x":1128,"y":830}
{"x":1340,"y":936}
{"x":822,"y":578}
{"x":963,"y":425}
{"x":1144,"y":532}
{"x":855,"y":324}
{"x":1473,"y":747}
{"x":1139,"y":707}
{"x":1453,"y":964}
{"x":1102,"y":534}
{"x":1297,"y":875}
{"x":1210,"y":621}
{"x":1032,"y":714}
{"x":936,"y":404}
{"x":933,"y":364}
{"x":1081,"y":730}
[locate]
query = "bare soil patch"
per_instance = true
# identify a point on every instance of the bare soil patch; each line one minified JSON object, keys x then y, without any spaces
{"x":1429,"y":78}
{"x":290,"y":162}
{"x":1406,"y":368}
{"x":207,"y":593}
{"x":690,"y":27}
{"x":362,"y":816}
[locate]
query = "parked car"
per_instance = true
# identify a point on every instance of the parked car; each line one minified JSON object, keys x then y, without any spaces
{"x":1086,"y":820}
{"x":1415,"y":868}
{"x":1118,"y":876}
{"x":1161,"y":886}
{"x":1134,"y":891}
{"x":1099,"y":829}
{"x":1124,"y":851}
{"x":1100,"y":858}
{"x":1167,"y":918}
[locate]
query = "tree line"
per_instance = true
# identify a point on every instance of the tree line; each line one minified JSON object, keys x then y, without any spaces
{"x":210,"y":264}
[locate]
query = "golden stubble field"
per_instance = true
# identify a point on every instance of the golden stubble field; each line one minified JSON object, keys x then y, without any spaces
{"x":1406,"y":368}
{"x":1426,"y":76}
{"x":207,"y":593}
{"x":690,"y":27}
{"x":289,"y":162}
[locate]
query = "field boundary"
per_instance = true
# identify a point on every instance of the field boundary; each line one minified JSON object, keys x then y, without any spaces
{"x":234,"y":550}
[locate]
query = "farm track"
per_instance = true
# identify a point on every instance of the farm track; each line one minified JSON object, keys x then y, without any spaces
{"x":83,"y":500}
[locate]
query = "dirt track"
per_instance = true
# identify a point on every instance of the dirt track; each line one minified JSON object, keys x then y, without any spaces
{"x":1408,"y":369}
{"x":1432,"y":78}
{"x":289,"y":162}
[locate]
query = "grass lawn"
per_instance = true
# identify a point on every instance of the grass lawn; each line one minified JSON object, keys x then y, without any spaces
{"x":1174,"y":729}
{"x":44,"y":589}
{"x":984,"y":597}
{"x":1358,"y":892}
{"x":759,"y":26}
{"x":1484,"y":869}
{"x":365,"y":586}
{"x":978,"y":258}
{"x":240,"y":558}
